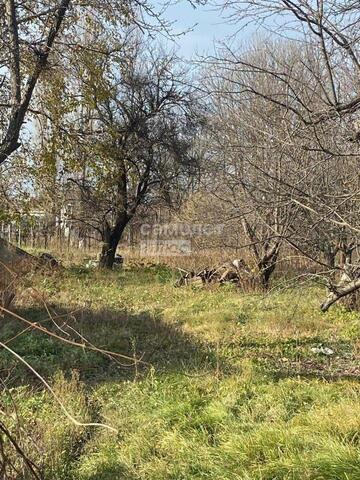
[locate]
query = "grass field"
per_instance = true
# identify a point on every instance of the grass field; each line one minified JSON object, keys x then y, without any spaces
{"x":226,"y":385}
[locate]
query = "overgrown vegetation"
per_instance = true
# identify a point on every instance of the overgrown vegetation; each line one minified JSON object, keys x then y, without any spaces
{"x":233,"y":389}
{"x":241,"y":172}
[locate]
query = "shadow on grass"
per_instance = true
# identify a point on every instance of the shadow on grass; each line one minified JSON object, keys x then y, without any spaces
{"x":162,"y":346}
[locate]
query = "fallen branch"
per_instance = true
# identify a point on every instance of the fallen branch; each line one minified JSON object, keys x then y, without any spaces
{"x":339,"y":292}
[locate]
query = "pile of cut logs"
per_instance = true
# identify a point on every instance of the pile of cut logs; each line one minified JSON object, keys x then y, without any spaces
{"x":236,"y":272}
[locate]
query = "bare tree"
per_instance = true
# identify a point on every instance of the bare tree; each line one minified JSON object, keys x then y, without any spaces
{"x":252,"y":147}
{"x":313,"y":79}
{"x":328,"y":32}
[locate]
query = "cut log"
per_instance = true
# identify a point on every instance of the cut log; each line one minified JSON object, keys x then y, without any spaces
{"x":49,"y":260}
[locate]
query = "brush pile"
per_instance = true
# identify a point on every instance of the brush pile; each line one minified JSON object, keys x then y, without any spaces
{"x":236,"y":272}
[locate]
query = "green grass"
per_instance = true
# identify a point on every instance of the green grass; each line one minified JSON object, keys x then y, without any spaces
{"x":232,"y":389}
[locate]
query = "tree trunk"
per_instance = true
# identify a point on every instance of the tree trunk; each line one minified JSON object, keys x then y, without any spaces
{"x":266,"y":269}
{"x":107,"y":255}
{"x":267,"y":265}
{"x":111,"y":239}
{"x":10,"y":142}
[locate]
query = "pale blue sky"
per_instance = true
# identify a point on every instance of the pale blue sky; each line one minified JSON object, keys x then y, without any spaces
{"x":208,"y":27}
